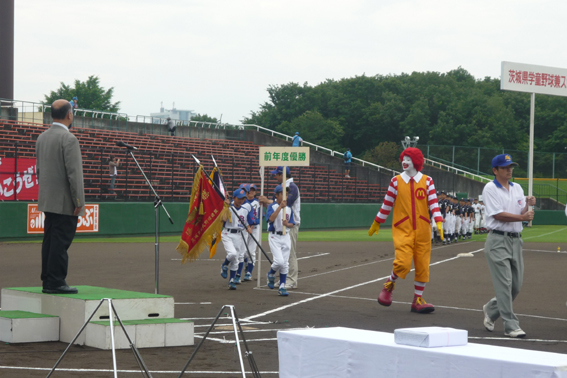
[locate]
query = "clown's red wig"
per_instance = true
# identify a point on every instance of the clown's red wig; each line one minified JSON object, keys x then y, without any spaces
{"x":415,"y":155}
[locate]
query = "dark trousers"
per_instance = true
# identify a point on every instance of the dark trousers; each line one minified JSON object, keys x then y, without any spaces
{"x":59,"y":233}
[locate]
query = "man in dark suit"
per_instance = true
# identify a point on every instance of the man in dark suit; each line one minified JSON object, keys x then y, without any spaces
{"x":61,"y":196}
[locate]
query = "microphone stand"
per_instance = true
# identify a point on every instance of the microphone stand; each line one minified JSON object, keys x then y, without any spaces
{"x":157,"y":204}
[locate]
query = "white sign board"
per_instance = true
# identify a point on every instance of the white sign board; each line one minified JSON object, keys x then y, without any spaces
{"x":284,"y":156}
{"x":530,"y":78}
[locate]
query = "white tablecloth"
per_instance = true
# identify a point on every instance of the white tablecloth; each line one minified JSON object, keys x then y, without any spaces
{"x":345,"y":352}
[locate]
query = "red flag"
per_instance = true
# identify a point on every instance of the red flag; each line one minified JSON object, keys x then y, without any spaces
{"x":205,"y":219}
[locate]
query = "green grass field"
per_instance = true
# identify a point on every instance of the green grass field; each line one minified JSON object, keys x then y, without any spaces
{"x":540,"y":234}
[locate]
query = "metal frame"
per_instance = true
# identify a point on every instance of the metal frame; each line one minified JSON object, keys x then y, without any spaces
{"x":111,"y":309}
{"x":248,"y":353}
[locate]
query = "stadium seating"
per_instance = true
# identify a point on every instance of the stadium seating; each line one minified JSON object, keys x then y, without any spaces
{"x":168,"y":164}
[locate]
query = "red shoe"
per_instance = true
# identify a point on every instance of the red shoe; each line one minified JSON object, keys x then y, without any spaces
{"x":385,"y":297}
{"x":420,"y":306}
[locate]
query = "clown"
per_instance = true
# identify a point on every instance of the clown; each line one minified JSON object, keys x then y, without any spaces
{"x":414,"y":196}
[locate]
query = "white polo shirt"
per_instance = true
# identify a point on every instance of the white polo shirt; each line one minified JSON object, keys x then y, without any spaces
{"x":498,"y":199}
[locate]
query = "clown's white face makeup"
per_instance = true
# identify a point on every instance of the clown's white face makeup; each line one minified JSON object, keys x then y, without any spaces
{"x":407,"y":166}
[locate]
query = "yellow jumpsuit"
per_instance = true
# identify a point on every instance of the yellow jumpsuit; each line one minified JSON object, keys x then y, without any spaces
{"x":411,"y":229}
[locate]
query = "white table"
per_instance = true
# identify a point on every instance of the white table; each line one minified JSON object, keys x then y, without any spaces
{"x":346,"y":352}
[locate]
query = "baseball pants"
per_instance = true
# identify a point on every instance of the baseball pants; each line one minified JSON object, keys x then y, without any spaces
{"x":280,"y":245}
{"x":458,"y":223}
{"x":252,"y":246}
{"x":477,"y":220}
{"x":465,"y":226}
{"x":233,"y":245}
{"x":292,"y":277}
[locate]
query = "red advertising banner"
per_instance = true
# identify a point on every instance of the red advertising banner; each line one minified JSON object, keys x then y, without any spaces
{"x":22,"y":185}
{"x":86,"y":223}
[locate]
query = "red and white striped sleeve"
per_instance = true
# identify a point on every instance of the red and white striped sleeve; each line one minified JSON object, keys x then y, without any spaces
{"x":389,"y":200}
{"x":432,"y":201}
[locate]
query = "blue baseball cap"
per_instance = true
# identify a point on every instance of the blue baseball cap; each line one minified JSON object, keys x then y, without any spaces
{"x":279,"y":170}
{"x":503,"y":160}
{"x":251,"y":186}
{"x":239,"y":193}
{"x":297,"y":133}
{"x":243,"y":186}
{"x":75,"y":98}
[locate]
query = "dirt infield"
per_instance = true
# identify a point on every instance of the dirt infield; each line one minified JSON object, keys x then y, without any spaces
{"x":338,"y":286}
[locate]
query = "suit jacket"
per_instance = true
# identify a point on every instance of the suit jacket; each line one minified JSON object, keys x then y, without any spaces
{"x":60,"y":172}
{"x":111,"y":165}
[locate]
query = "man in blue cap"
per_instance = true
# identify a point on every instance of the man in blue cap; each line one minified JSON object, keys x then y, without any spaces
{"x":296,"y":140}
{"x":74,"y":103}
{"x":506,"y":209}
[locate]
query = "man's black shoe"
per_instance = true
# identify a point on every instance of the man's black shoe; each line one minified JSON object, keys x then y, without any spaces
{"x":61,"y":290}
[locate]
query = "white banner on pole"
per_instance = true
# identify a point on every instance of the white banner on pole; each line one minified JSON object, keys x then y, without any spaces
{"x":521,"y":77}
{"x":284,"y":156}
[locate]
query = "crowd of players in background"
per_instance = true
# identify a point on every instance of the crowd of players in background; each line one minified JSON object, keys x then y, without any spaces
{"x":461,"y":218}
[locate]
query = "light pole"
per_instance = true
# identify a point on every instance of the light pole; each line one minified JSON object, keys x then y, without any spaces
{"x":409,"y":142}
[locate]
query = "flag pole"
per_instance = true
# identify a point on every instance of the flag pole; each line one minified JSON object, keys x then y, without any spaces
{"x":234,"y":211}
{"x":261,"y":223}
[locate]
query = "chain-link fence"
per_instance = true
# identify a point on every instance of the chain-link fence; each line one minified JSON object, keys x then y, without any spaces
{"x":479,"y":160}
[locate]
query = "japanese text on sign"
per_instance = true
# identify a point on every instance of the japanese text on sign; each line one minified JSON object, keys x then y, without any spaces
{"x":85,"y":223}
{"x":285,"y":156}
{"x":533,"y":79}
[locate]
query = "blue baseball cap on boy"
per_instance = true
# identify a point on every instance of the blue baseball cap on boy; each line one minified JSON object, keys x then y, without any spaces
{"x":279,"y":170}
{"x":239,"y":193}
{"x":251,"y":186}
{"x":278,"y":189}
{"x":503,"y":160}
{"x":244,"y":186}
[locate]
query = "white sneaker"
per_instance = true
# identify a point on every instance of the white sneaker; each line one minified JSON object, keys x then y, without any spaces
{"x":488,"y":323}
{"x":290,"y":286}
{"x":516,"y":333}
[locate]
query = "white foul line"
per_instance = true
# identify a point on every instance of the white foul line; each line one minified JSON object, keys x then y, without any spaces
{"x":341,"y":290}
{"x":308,"y":257}
{"x":549,"y":233}
{"x":129,"y":371}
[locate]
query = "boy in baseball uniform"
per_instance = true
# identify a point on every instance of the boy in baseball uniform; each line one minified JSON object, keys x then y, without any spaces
{"x":280,"y":244}
{"x":255,"y":225}
{"x":231,"y":236}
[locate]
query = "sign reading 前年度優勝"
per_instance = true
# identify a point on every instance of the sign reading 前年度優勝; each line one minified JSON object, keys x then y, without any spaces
{"x":284,"y":156}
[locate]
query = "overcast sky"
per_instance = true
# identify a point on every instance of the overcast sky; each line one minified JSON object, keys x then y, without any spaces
{"x":219,"y":57}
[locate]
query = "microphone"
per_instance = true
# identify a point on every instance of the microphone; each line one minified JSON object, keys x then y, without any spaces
{"x":122,"y":144}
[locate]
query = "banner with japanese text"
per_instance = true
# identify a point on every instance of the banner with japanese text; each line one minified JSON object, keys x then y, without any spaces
{"x":284,"y":156}
{"x":530,"y":78}
{"x":86,"y":223}
{"x":18,"y":183}
{"x":205,"y":220}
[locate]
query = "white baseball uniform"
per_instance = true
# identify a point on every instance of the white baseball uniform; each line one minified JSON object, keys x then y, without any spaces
{"x":231,"y":235}
{"x":280,"y":245}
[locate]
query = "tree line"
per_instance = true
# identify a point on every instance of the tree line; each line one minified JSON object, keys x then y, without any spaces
{"x":452,"y":108}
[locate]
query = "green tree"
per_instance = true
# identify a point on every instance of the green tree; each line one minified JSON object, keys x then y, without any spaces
{"x":90,"y":94}
{"x":204,"y":118}
{"x":314,"y":128}
{"x":386,"y":154}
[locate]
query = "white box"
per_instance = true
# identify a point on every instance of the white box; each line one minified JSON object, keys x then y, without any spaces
{"x":431,"y":337}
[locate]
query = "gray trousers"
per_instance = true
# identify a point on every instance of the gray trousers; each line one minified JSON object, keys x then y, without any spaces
{"x":506,"y":264}
{"x":292,"y":275}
